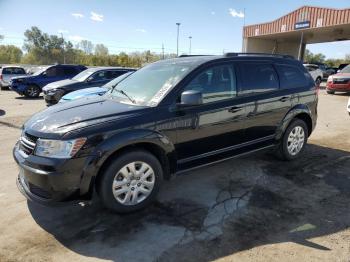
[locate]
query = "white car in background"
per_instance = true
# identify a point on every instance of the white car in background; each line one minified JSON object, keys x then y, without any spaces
{"x":7,"y":72}
{"x":315,"y":72}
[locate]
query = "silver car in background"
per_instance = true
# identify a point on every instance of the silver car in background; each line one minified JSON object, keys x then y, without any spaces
{"x":7,"y":72}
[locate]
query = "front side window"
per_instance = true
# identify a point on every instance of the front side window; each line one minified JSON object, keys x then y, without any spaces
{"x":291,"y":76}
{"x":216,"y":83}
{"x":258,"y":78}
{"x":99,"y":76}
{"x":82,"y":76}
{"x":52,"y":71}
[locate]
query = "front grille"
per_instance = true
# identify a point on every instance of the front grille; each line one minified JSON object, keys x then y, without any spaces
{"x":39,"y":191}
{"x":27,"y":143}
{"x":340,"y":81}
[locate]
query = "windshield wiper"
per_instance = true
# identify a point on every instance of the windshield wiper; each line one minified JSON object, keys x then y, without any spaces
{"x":124,"y":94}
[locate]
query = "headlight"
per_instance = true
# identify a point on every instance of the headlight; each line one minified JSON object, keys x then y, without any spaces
{"x":330,"y":79}
{"x":58,"y":148}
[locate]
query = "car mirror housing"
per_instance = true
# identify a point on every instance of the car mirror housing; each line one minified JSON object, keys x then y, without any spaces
{"x":191,"y":98}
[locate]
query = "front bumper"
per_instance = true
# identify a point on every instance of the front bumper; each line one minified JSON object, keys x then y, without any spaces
{"x":338,"y":87}
{"x":49,"y":181}
{"x":52,"y":98}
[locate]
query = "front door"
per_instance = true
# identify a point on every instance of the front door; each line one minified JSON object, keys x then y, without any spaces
{"x":216,"y":125}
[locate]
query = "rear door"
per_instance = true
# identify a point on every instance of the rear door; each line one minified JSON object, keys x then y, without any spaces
{"x":267,"y":103}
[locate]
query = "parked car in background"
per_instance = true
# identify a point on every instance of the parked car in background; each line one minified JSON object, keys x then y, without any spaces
{"x":31,"y":85}
{"x":339,"y":82}
{"x":94,"y":91}
{"x":341,"y":66}
{"x":315,"y":72}
{"x":92,"y":77}
{"x":7,"y":72}
{"x":167,"y":117}
{"x":348,"y":108}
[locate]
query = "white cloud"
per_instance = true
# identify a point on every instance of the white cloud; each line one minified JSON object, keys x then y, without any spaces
{"x":212,"y":13}
{"x":141,"y":30}
{"x":96,"y":17}
{"x":77,"y":15}
{"x":62,"y":31}
{"x":75,"y":38}
{"x":234,"y":13}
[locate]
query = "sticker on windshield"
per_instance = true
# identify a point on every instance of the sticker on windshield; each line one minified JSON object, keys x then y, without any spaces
{"x":162,"y":92}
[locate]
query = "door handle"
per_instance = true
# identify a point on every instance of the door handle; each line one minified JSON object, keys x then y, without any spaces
{"x":285,"y":98}
{"x":235,"y":109}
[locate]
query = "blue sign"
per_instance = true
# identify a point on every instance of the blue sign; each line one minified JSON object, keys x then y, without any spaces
{"x":302,"y":25}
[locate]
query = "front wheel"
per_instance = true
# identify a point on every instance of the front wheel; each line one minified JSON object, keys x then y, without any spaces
{"x":32,"y":91}
{"x":330,"y":92}
{"x":130,"y":182}
{"x":293,"y":141}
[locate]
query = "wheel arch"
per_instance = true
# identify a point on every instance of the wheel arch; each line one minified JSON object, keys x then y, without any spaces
{"x":150,"y":141}
{"x":300,"y":111}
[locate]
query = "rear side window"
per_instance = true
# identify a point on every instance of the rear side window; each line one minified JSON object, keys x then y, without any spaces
{"x":291,"y":76}
{"x":70,"y":70}
{"x":257,"y":78}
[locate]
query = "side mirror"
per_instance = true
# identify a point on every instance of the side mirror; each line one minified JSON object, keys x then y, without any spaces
{"x":89,"y":79}
{"x":191,"y":98}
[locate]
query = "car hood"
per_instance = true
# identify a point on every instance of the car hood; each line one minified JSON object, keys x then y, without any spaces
{"x":341,"y":75}
{"x":85,"y":92}
{"x":61,"y":84}
{"x":80,"y":113}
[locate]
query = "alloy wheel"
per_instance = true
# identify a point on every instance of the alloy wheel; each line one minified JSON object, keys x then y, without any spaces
{"x":295,"y":140}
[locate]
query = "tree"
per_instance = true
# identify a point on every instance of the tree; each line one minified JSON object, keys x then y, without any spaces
{"x":101,"y":50}
{"x":309,"y":57}
{"x":10,"y":54}
{"x":86,"y":46}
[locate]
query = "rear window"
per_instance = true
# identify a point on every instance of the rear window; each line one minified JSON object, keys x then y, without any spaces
{"x":291,"y":76}
{"x":257,"y":78}
{"x":13,"y":71}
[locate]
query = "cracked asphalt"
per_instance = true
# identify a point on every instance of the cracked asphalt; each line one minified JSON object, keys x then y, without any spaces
{"x":254,"y":208}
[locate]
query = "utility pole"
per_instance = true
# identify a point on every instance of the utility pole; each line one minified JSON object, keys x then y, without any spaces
{"x":64,"y":53}
{"x":190,"y":37}
{"x":177,"y":40}
{"x":163,"y":51}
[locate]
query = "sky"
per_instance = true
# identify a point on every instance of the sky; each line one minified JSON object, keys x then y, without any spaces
{"x":136,"y":25}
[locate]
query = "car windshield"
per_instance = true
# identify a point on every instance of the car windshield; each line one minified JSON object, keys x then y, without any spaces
{"x":82,"y":76}
{"x":151,"y":83}
{"x":116,"y":80}
{"x":345,"y":69}
{"x":40,"y":71}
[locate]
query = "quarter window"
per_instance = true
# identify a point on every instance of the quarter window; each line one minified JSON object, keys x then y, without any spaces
{"x":291,"y":76}
{"x":258,"y":78}
{"x":216,"y":83}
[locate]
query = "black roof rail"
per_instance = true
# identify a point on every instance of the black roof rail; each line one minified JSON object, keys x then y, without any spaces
{"x":258,"y":54}
{"x":191,"y":55}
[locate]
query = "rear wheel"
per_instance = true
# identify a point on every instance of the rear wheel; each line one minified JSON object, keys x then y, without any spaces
{"x":131,"y":182}
{"x":32,"y":91}
{"x":318,"y":81}
{"x":293,"y":141}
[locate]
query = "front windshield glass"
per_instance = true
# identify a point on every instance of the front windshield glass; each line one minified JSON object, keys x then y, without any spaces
{"x":82,"y":76}
{"x":115,"y":81}
{"x":151,"y":83}
{"x":345,"y":69}
{"x":40,"y":71}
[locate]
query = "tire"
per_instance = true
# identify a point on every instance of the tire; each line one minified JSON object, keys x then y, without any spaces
{"x":32,"y":91}
{"x":330,"y":92}
{"x":119,"y":184}
{"x":292,"y":146}
{"x":318,"y":81}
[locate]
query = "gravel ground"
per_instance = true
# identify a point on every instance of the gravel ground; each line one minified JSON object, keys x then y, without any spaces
{"x":254,"y":208}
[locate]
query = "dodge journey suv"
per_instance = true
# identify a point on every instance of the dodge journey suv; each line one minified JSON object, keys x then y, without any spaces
{"x":167,"y":117}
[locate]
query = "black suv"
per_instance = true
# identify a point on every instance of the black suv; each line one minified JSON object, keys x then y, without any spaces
{"x":168,"y":117}
{"x":92,"y":77}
